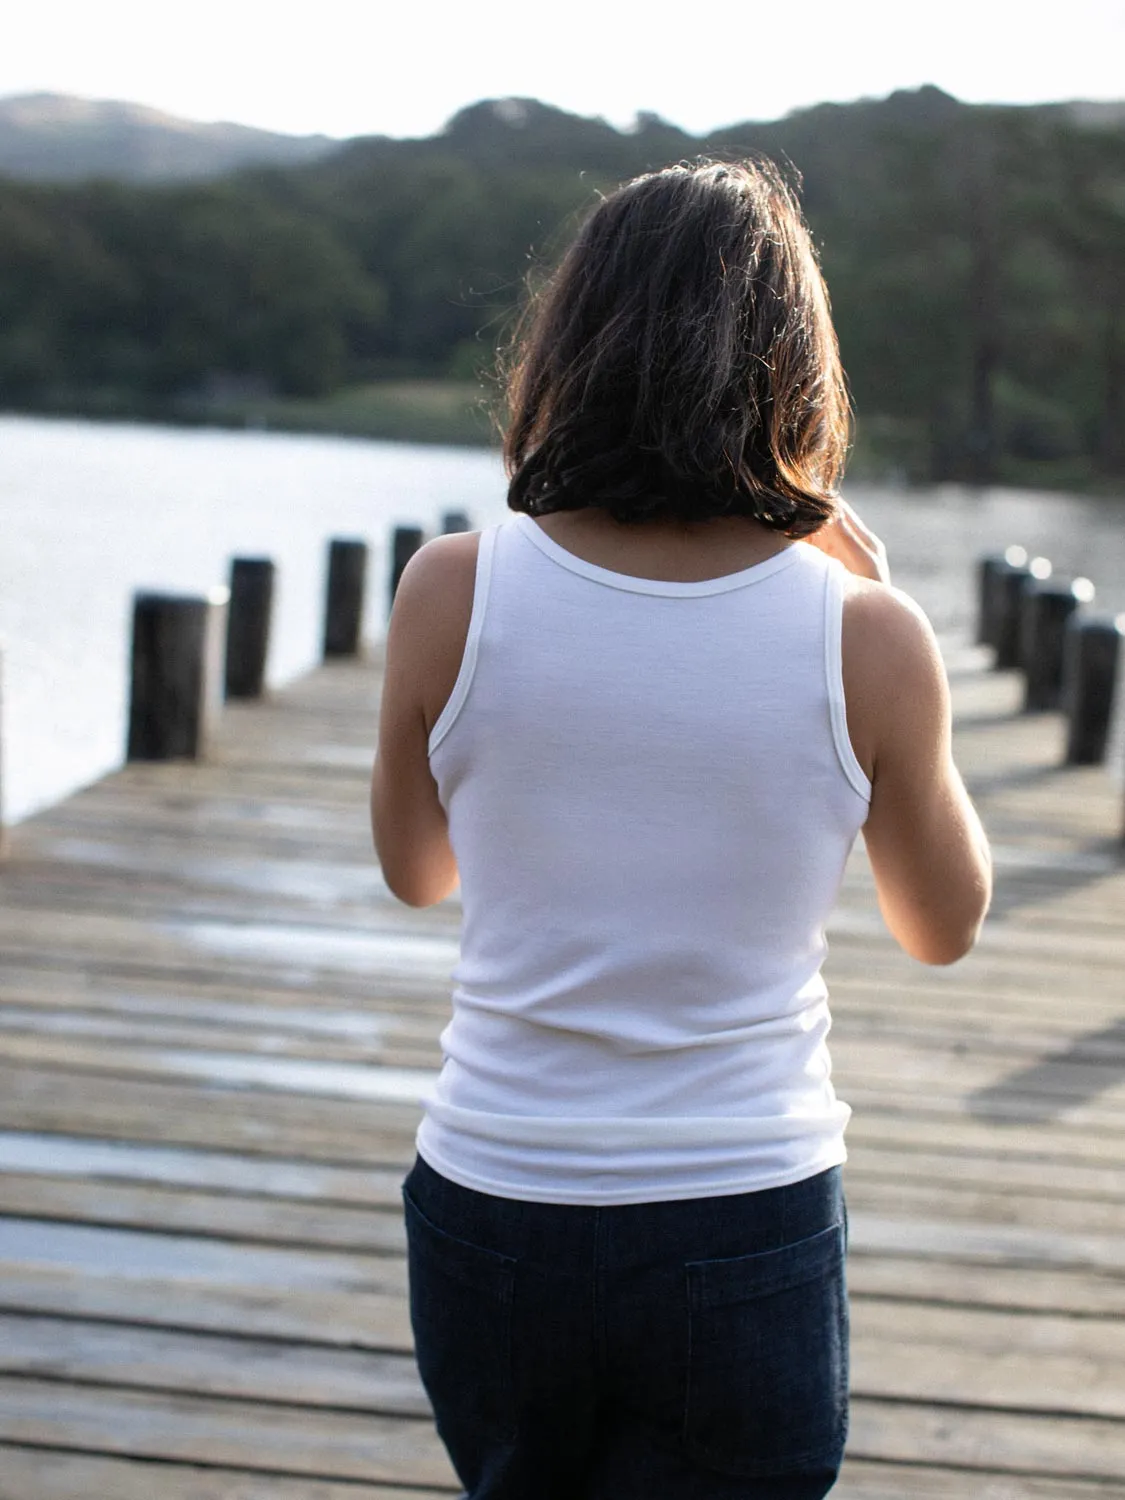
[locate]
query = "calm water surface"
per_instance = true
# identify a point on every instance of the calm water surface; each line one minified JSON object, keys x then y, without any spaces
{"x":89,"y":513}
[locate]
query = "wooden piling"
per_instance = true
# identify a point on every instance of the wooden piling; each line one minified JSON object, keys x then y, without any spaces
{"x":1046,"y":609}
{"x":991,"y":592}
{"x":248,"y":625}
{"x":1091,"y":657}
{"x":177,"y":674}
{"x":343,"y":610}
{"x":1009,"y":585}
{"x":455,"y":520}
{"x":405,"y":541}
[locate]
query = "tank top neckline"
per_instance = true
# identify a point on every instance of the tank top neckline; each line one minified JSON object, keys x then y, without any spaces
{"x":723,"y":584}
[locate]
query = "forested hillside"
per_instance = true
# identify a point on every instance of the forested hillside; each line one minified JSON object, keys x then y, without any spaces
{"x":975,"y":255}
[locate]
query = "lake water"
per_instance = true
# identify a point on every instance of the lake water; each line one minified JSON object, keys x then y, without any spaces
{"x":90,"y":513}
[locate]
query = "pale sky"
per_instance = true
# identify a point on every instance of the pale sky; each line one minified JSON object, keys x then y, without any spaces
{"x":347,"y":68}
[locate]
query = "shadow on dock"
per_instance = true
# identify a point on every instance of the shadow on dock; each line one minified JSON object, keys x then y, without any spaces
{"x":1092,"y":1065}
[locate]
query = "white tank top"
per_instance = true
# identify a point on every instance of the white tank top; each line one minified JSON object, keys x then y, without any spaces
{"x":651,"y":796}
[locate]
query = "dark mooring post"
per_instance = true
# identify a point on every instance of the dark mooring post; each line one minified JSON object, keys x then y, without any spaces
{"x":177,"y":674}
{"x":248,"y":625}
{"x":1047,"y":607}
{"x":991,"y":592}
{"x":343,"y":609}
{"x":3,"y":831}
{"x":1091,"y":656}
{"x":405,"y":541}
{"x":455,"y":520}
{"x":1010,"y":584}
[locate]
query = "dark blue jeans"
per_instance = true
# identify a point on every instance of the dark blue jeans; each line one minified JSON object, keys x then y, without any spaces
{"x":694,"y":1350}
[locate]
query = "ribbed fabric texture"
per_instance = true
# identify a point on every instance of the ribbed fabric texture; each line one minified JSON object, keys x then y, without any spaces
{"x":651,"y":796}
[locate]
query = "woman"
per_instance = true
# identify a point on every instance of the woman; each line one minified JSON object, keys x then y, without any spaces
{"x":642,"y":722}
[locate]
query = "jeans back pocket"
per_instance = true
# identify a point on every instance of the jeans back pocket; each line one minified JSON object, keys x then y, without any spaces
{"x":461,"y":1312}
{"x":768,"y":1358}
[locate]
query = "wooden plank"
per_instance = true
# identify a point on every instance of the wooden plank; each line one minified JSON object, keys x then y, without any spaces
{"x":65,"y":976}
{"x":1004,"y":1171}
{"x":987,"y":1243}
{"x":96,"y":1160}
{"x":262,"y":936}
{"x":175,"y":942}
{"x":361,"y":1079}
{"x":369,"y":1019}
{"x":87,"y":1250}
{"x":195,"y":1282}
{"x":246,"y":880}
{"x":1005,"y":1110}
{"x":900,"y":1197}
{"x":887,"y":1127}
{"x":1014,"y":1017}
{"x":45,"y":1474}
{"x":343,"y":1131}
{"x":359,"y":1318}
{"x":861,"y":1480}
{"x":974,"y":1438}
{"x":932,"y":1278}
{"x":223,"y":1215}
{"x":23,"y":1029}
{"x":988,"y":1357}
{"x":255,"y":1369}
{"x":238,"y":1434}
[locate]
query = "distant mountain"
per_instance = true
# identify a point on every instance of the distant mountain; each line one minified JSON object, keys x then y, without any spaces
{"x":60,"y":138}
{"x":1108,"y":114}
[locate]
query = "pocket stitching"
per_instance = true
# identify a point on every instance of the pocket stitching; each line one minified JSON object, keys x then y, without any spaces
{"x":817,"y":1264}
{"x":503,"y":1267}
{"x":500,"y":1262}
{"x":818,"y":1253}
{"x":506,"y":1261}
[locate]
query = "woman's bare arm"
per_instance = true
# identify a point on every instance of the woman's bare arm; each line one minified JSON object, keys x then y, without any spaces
{"x":928,"y":851}
{"x":425,"y":643}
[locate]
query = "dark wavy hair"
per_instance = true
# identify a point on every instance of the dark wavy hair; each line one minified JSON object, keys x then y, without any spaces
{"x":681,"y":362}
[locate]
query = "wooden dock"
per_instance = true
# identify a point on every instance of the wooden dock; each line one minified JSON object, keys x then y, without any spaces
{"x":214,"y":1024}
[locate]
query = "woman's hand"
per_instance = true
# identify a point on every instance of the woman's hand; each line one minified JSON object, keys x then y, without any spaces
{"x":848,"y":540}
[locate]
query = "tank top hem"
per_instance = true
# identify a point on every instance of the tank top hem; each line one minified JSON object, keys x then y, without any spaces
{"x":833,"y":1154}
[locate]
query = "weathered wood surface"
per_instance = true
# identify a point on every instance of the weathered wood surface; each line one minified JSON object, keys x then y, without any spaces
{"x":214,"y":1027}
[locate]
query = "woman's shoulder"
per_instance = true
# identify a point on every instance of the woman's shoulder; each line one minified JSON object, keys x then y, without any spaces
{"x":884,"y":624}
{"x":890,"y":657}
{"x":441,"y":562}
{"x":437,"y":583}
{"x":433,"y":608}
